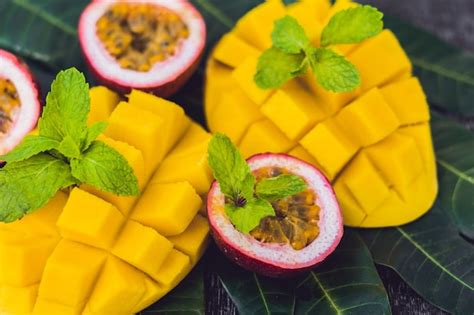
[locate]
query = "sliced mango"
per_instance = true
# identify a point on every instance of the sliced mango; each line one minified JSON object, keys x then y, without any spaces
{"x":18,"y":300}
{"x":173,"y":270}
{"x":103,"y":102}
{"x":194,"y":239}
{"x":231,"y":50}
{"x":243,"y":75}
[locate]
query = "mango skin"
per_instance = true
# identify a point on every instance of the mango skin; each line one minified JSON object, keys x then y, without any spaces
{"x":373,"y":143}
{"x":91,"y":252}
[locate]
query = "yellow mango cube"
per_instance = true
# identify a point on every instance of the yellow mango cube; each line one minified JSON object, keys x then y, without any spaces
{"x":368,"y":119}
{"x":47,"y":307}
{"x":154,"y":291}
{"x":123,"y":126}
{"x":235,"y":113}
{"x":421,"y":134}
{"x":380,"y":60}
{"x":213,"y":89}
{"x":302,"y":154}
{"x":118,"y":289}
{"x":193,"y":140}
{"x":142,"y":247}
{"x":103,"y":102}
{"x":407,"y":100}
{"x":70,"y":273}
{"x":309,"y":14}
{"x":232,"y":50}
{"x":90,"y":220}
{"x":293,"y":110}
{"x":330,"y":147}
{"x":244,"y":76}
{"x":18,"y":300}
{"x":173,"y":269}
{"x":169,"y":216}
{"x":175,"y":120}
{"x":257,"y":25}
{"x":193,"y":241}
{"x":192,"y":168}
{"x":352,"y":212}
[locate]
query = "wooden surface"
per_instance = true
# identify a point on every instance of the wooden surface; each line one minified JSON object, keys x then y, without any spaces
{"x":451,"y":20}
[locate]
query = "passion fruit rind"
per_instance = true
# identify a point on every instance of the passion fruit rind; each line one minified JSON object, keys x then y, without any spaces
{"x":278,"y":260}
{"x":164,"y":77}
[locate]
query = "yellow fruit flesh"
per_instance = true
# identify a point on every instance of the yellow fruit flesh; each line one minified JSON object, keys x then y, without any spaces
{"x":374,"y":143}
{"x":90,"y":252}
{"x":9,"y":105}
{"x":138,"y":35}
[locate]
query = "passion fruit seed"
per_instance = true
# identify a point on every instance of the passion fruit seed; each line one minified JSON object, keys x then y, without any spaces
{"x":9,"y":105}
{"x":140,"y":35}
{"x":296,"y":220}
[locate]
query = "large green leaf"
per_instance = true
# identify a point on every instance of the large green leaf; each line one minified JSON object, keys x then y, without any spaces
{"x":45,"y":31}
{"x":346,"y":283}
{"x":186,"y":298}
{"x":447,"y":75}
{"x":454,"y":146}
{"x":431,"y":257}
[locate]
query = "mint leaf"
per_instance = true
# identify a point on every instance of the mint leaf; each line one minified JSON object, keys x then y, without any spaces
{"x":289,"y":36}
{"x":230,"y":169}
{"x":67,"y":107}
{"x":69,"y":148}
{"x":28,"y":185}
{"x":280,"y":187}
{"x":30,"y":146}
{"x":275,"y":67}
{"x":333,"y":72}
{"x":248,"y":217}
{"x":352,"y":26}
{"x":103,"y":167}
{"x":92,"y":133}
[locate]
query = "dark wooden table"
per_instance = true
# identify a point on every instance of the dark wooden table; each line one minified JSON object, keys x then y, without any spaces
{"x":451,"y":20}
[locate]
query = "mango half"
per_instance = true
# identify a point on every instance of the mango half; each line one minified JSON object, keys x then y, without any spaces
{"x":374,"y":144}
{"x":90,"y":252}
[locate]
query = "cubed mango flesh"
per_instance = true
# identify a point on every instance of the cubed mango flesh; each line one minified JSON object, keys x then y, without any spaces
{"x":232,"y":50}
{"x":173,"y":269}
{"x":244,"y":75}
{"x":103,"y":102}
{"x":18,"y":300}
{"x":194,"y":239}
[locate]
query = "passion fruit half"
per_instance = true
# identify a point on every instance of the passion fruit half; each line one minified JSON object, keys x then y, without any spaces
{"x":19,"y":101}
{"x":152,"y":45}
{"x":306,"y":229}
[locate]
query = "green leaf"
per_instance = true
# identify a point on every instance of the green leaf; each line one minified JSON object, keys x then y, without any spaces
{"x":30,"y":146}
{"x":346,"y":283}
{"x":69,"y":148}
{"x":248,"y":217}
{"x":333,"y":72}
{"x":280,"y":187}
{"x":289,"y":36}
{"x":186,"y":298}
{"x":444,"y":71}
{"x":455,"y":158}
{"x":45,"y":31}
{"x":92,"y":133}
{"x":230,"y":169}
{"x":67,"y":107}
{"x":352,"y":26}
{"x":431,"y":257}
{"x":275,"y":67}
{"x":28,"y":185}
{"x":103,"y":167}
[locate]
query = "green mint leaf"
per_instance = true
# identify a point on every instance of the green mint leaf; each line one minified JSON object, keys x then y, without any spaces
{"x":30,"y":146}
{"x":103,"y":167}
{"x":92,"y":133}
{"x":230,"y":169}
{"x":289,"y":36}
{"x":28,"y":185}
{"x":67,"y":107}
{"x":248,"y":217}
{"x":275,"y":188}
{"x":333,"y":72}
{"x":352,"y":26}
{"x":275,"y":67}
{"x":69,"y":148}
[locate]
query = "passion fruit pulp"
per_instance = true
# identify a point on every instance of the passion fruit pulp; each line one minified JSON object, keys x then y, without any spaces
{"x":152,"y":45}
{"x":19,"y":103}
{"x":307,"y":227}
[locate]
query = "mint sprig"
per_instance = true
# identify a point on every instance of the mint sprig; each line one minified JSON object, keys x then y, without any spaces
{"x":292,"y":51}
{"x":247,"y":202}
{"x":65,"y":153}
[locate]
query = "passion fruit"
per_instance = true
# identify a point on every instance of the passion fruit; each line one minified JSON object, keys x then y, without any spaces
{"x":307,"y":226}
{"x":19,"y":101}
{"x":152,"y":45}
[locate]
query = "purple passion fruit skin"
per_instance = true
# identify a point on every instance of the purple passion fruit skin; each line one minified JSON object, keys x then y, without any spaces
{"x":306,"y":229}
